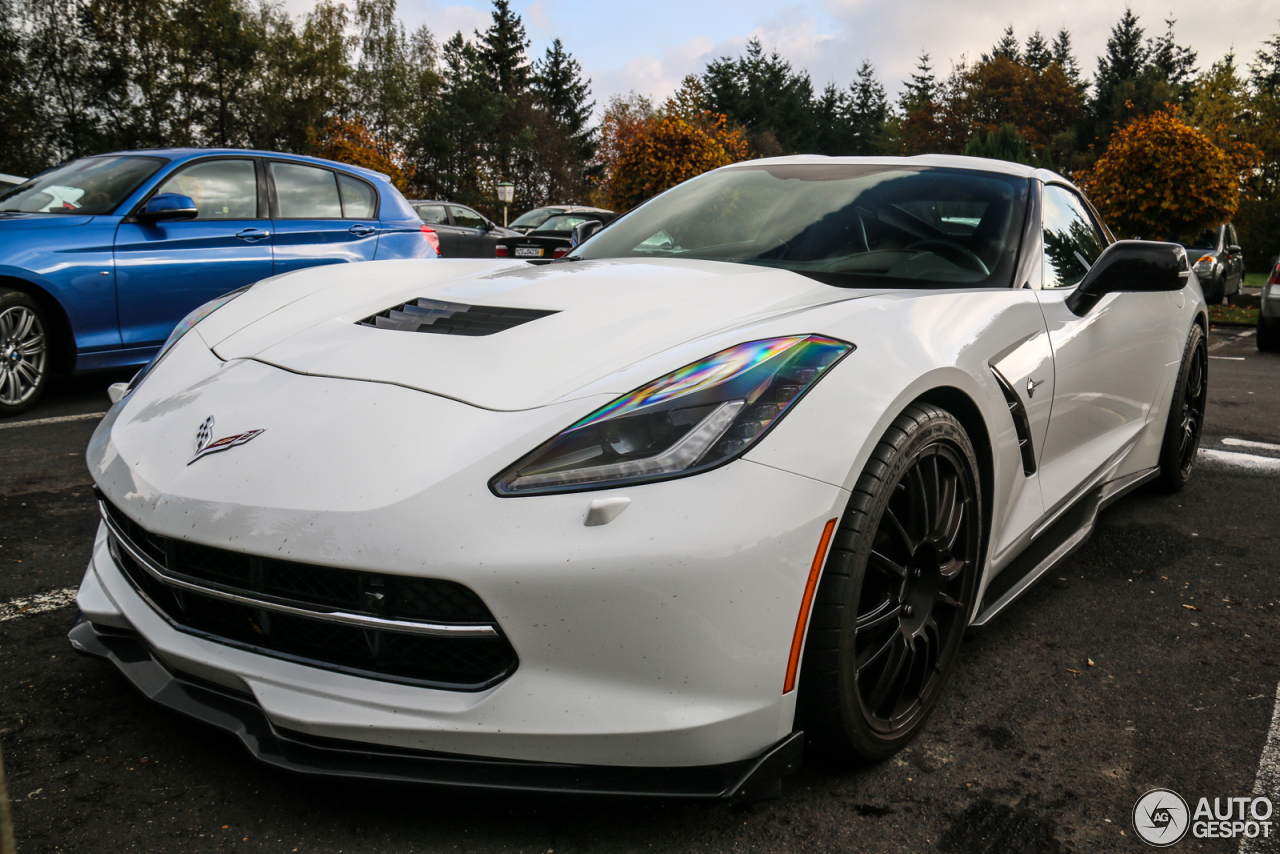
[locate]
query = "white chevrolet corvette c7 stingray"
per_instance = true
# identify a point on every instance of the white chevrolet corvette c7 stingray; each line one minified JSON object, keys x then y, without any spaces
{"x":732,"y":478}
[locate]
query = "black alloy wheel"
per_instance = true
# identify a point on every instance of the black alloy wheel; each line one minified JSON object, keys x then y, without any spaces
{"x":897,"y":591}
{"x":1186,"y":415}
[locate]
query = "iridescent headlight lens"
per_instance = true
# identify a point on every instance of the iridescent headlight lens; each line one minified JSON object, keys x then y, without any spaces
{"x":184,"y":326}
{"x":690,"y":420}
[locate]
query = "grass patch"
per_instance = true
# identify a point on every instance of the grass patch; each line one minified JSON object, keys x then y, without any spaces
{"x":1233,"y":314}
{"x":1255,"y":280}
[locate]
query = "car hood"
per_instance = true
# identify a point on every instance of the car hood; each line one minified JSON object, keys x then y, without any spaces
{"x":22,"y":221}
{"x":605,"y":316}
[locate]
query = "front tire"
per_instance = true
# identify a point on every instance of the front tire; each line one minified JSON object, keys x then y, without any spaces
{"x":1186,"y":415}
{"x":24,"y":352}
{"x":895,"y":596}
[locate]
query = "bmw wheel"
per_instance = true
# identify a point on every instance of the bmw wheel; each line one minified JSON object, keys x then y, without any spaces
{"x":24,"y":352}
{"x":1186,"y":415}
{"x":897,"y":591}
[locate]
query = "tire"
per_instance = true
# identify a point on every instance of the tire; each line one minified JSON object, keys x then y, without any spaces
{"x":24,"y":352}
{"x":1215,"y":294}
{"x":1268,"y":335}
{"x":1186,"y":415}
{"x":872,"y":673}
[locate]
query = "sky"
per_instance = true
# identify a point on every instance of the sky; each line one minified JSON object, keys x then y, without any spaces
{"x":649,"y":47}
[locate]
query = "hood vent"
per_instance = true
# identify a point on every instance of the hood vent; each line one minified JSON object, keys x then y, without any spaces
{"x":451,"y":318}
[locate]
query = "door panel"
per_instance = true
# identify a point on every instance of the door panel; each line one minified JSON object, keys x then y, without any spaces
{"x":166,"y":269}
{"x":471,"y":231}
{"x":435,"y":217}
{"x":1108,"y":364}
{"x":309,"y":221}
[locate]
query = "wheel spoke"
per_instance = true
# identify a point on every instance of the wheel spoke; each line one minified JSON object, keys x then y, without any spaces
{"x":952,"y":568}
{"x":918,"y":497}
{"x":899,"y":655}
{"x":883,"y":613}
{"x":948,"y":601}
{"x":896,"y":528}
{"x":25,"y":320}
{"x":885,"y":563}
{"x":26,"y":370}
{"x":879,"y":653}
{"x":32,"y":346}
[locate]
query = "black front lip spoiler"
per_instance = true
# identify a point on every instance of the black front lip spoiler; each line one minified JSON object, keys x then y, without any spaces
{"x":739,"y":782}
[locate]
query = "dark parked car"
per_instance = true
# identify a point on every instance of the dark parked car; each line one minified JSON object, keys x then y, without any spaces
{"x":552,"y":239}
{"x":1269,"y":313}
{"x":527,"y":222}
{"x":100,"y":258}
{"x":1218,"y":262}
{"x":460,"y":231}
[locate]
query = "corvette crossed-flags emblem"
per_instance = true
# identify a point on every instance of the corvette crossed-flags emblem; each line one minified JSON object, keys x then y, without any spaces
{"x":204,"y":446}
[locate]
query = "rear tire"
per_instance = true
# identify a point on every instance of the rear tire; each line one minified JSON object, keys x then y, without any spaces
{"x":1186,"y":415}
{"x":24,"y":352}
{"x":896,"y":593}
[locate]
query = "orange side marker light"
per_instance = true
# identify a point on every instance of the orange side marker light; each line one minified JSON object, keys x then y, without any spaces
{"x":810,"y":587}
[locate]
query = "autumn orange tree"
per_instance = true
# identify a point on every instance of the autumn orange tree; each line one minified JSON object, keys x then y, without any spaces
{"x":351,"y":142}
{"x":1162,"y":179}
{"x":670,"y":150}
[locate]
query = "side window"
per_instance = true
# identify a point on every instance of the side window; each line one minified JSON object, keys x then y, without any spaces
{"x":466,"y":218}
{"x":305,"y":192}
{"x":1071,"y":241}
{"x":433,"y":214}
{"x":221,"y":189}
{"x":358,"y":199}
{"x":1232,"y":240}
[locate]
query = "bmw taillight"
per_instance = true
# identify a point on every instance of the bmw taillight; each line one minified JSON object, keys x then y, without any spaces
{"x":500,"y":252}
{"x":432,"y":238}
{"x":560,"y":253}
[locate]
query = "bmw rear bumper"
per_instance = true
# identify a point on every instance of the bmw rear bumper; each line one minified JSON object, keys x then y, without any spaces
{"x":239,"y":715}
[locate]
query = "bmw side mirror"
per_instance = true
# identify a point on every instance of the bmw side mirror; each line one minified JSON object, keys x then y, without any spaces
{"x":168,"y":207}
{"x":583,"y":231}
{"x":1131,"y":266}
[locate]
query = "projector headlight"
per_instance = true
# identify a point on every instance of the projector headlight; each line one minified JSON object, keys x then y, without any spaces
{"x":690,"y":420}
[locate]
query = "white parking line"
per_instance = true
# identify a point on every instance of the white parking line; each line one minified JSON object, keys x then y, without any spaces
{"x":37,"y":604}
{"x":58,"y":420}
{"x":1251,"y":462}
{"x":1246,"y":334}
{"x":1229,"y":358}
{"x":1267,"y":783}
{"x":1246,"y":443}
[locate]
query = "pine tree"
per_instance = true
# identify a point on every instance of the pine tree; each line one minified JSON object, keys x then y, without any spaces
{"x":1036,"y":56}
{"x":921,"y":89}
{"x":1064,"y":55}
{"x":1007,"y":47}
{"x":503,"y":48}
{"x":1171,"y":62}
{"x":1125,"y":58}
{"x":1264,"y":71}
{"x":868,"y":109}
{"x":567,"y":98}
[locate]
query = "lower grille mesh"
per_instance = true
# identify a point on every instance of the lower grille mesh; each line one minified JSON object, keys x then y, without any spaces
{"x":459,"y":663}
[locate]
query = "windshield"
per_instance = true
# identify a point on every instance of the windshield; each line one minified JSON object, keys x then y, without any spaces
{"x":843,"y":224}
{"x":95,"y":185}
{"x":565,"y":223}
{"x":1208,"y":239}
{"x":535,"y":217}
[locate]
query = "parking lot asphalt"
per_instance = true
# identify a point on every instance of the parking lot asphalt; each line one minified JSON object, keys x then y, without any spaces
{"x":1149,"y":659}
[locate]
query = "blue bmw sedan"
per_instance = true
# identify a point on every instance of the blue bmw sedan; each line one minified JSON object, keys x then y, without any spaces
{"x":101,"y":257}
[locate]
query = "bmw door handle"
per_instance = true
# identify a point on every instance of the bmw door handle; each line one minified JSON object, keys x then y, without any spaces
{"x":362,"y":230}
{"x":252,"y":234}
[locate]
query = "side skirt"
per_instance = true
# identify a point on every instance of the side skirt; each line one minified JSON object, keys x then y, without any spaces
{"x":1069,"y":532}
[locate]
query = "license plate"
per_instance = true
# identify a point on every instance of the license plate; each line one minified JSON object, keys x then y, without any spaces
{"x":528,"y":252}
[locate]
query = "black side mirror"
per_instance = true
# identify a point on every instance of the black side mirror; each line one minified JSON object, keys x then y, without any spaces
{"x":1233,"y":249}
{"x":583,"y":231}
{"x":488,"y":226}
{"x":1134,"y":266}
{"x":168,"y":206}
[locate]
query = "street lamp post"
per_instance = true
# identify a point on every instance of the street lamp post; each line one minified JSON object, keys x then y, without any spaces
{"x":506,"y":192}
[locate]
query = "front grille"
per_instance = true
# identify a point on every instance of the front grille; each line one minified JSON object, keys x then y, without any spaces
{"x":451,"y":318}
{"x":376,"y":625}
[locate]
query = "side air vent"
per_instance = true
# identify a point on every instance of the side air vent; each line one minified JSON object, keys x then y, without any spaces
{"x":451,"y":318}
{"x":1020,"y":423}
